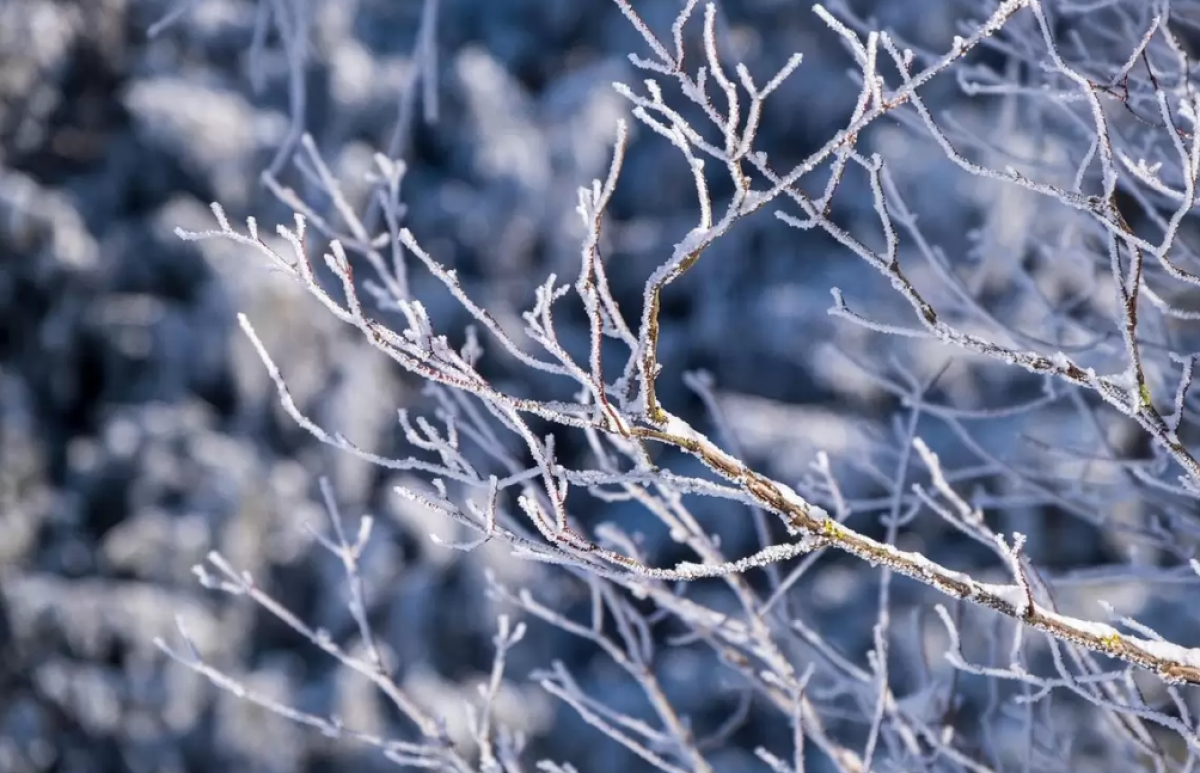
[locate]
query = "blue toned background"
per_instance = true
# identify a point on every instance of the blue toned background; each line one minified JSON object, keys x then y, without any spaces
{"x":139,"y":431}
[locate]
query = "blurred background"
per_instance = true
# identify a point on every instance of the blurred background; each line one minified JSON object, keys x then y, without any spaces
{"x":139,"y":430}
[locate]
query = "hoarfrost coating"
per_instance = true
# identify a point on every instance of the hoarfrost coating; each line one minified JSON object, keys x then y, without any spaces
{"x":625,"y":387}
